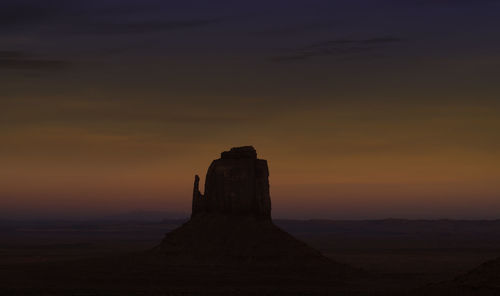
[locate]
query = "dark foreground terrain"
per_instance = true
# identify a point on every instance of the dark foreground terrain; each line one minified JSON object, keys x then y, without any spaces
{"x":395,"y":257}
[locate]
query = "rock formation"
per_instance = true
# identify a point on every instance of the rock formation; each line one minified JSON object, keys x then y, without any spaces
{"x":237,"y":183}
{"x":231,"y":221}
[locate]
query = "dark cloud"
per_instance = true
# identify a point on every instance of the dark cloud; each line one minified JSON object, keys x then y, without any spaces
{"x":13,"y":54}
{"x":21,"y":13}
{"x":94,"y":17}
{"x":24,"y":60}
{"x":145,"y":26}
{"x":383,"y":40}
{"x":339,"y":42}
{"x":32,"y":64}
{"x":20,"y":60}
{"x":331,"y":51}
{"x":452,"y":3}
{"x":348,"y":49}
{"x":298,"y":29}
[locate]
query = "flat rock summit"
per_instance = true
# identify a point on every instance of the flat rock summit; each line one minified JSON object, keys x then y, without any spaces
{"x":231,"y":221}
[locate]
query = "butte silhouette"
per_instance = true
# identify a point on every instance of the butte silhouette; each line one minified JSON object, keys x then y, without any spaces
{"x":231,"y":222}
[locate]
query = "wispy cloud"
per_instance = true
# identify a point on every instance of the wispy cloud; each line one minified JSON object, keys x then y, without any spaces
{"x":20,"y":60}
{"x":145,"y":26}
{"x":346,"y":48}
{"x":297,"y":29}
{"x":12,"y":54}
{"x":95,"y":17}
{"x":22,"y":13}
{"x":337,"y":42}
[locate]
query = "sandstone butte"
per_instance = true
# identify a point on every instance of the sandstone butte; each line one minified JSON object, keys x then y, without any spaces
{"x":231,"y":221}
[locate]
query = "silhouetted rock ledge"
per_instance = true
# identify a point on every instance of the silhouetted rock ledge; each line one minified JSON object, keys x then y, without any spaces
{"x":231,"y":222}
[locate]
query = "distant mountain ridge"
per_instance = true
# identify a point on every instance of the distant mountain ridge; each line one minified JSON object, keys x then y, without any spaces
{"x":150,"y":216}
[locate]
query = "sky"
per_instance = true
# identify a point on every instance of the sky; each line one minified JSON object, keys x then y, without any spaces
{"x":364,"y":109}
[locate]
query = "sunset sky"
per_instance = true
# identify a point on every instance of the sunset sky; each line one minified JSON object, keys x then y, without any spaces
{"x":363,"y":109}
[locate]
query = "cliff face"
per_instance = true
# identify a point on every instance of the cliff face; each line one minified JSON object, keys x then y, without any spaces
{"x":237,"y":183}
